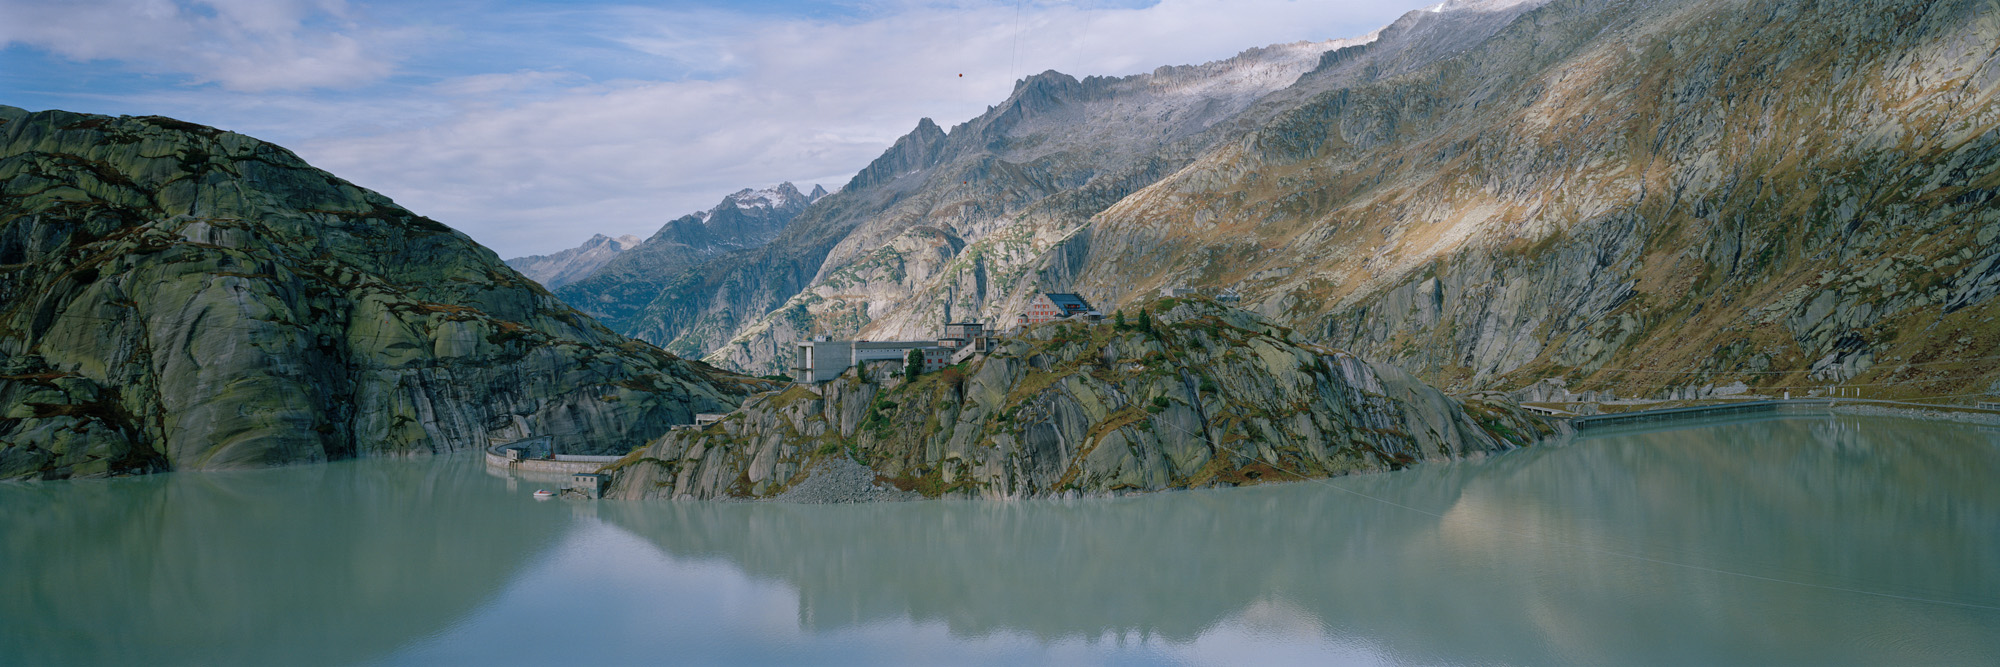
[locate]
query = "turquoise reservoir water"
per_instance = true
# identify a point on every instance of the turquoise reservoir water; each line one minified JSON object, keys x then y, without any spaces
{"x":1778,"y":541}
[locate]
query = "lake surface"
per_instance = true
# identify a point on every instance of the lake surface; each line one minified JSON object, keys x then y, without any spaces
{"x":1838,"y":540}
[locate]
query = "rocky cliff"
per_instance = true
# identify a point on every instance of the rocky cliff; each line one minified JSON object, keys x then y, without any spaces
{"x":1652,"y":198}
{"x":173,"y":296}
{"x":568,"y":266}
{"x":619,"y":291}
{"x":1205,"y":396}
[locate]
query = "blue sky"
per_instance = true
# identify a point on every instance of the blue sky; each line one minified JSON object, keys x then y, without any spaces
{"x":533,"y":124}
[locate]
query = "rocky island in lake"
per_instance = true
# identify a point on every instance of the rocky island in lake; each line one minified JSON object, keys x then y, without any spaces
{"x":1201,"y":395}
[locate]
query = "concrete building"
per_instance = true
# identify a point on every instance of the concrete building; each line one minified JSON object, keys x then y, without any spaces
{"x":590,"y":484}
{"x":822,"y":360}
{"x":958,"y":334}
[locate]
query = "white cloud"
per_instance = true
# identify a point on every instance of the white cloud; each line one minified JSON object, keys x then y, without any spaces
{"x":615,"y":119}
{"x":247,"y":45}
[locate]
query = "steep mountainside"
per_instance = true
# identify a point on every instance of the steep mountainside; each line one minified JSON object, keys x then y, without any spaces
{"x":174,"y":296}
{"x":568,"y":266}
{"x":951,"y":217}
{"x":623,"y":286}
{"x":1646,"y":197}
{"x":966,"y":215}
{"x":1207,"y":396}
{"x":1655,"y":197}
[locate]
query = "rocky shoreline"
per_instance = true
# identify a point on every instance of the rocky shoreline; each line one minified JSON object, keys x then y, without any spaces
{"x":839,"y":480}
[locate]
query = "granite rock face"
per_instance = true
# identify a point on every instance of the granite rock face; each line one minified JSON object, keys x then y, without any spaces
{"x":1209,"y":396}
{"x":173,"y":296}
{"x":568,"y":266}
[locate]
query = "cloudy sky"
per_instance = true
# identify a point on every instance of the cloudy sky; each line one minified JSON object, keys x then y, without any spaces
{"x":531,"y":124}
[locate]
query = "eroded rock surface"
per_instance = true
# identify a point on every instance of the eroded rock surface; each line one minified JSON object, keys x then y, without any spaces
{"x":174,"y":296}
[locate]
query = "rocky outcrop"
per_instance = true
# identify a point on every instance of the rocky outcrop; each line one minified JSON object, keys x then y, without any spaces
{"x":568,"y":266}
{"x":619,"y":291}
{"x":1205,"y":396}
{"x":173,"y":296}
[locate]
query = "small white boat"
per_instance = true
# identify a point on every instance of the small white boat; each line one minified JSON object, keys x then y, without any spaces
{"x":544,"y":494}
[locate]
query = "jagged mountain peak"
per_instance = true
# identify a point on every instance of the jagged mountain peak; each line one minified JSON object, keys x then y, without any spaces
{"x":621,"y":242}
{"x":782,"y":195}
{"x":771,"y":197}
{"x":563,"y":267}
{"x":919,"y":149}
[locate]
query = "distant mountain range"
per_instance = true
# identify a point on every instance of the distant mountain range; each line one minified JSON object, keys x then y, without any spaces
{"x":568,"y":266}
{"x":620,"y":288}
{"x":1657,"y":198}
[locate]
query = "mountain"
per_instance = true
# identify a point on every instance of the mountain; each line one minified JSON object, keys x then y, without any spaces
{"x":937,"y":195}
{"x":947,"y":224}
{"x":173,"y":296}
{"x":1203,"y":396}
{"x":566,"y":267}
{"x":1654,"y":198}
{"x":619,"y":290}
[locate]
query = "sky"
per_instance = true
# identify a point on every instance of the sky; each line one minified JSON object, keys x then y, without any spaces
{"x":533,"y":124}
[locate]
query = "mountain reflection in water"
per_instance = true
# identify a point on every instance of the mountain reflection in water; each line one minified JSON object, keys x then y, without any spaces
{"x":1795,"y":540}
{"x":320,"y":564}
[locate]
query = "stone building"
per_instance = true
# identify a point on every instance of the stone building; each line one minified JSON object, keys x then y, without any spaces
{"x":1051,"y":306}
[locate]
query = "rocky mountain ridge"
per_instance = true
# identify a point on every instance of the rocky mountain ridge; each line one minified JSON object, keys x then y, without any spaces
{"x":174,"y":296}
{"x":618,"y":291}
{"x":937,"y":192}
{"x":952,"y":224}
{"x":568,"y":266}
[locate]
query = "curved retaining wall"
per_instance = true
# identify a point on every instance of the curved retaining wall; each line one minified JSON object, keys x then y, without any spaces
{"x":496,"y":457}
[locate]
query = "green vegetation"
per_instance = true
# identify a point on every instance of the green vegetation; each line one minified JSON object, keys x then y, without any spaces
{"x":913,"y":365}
